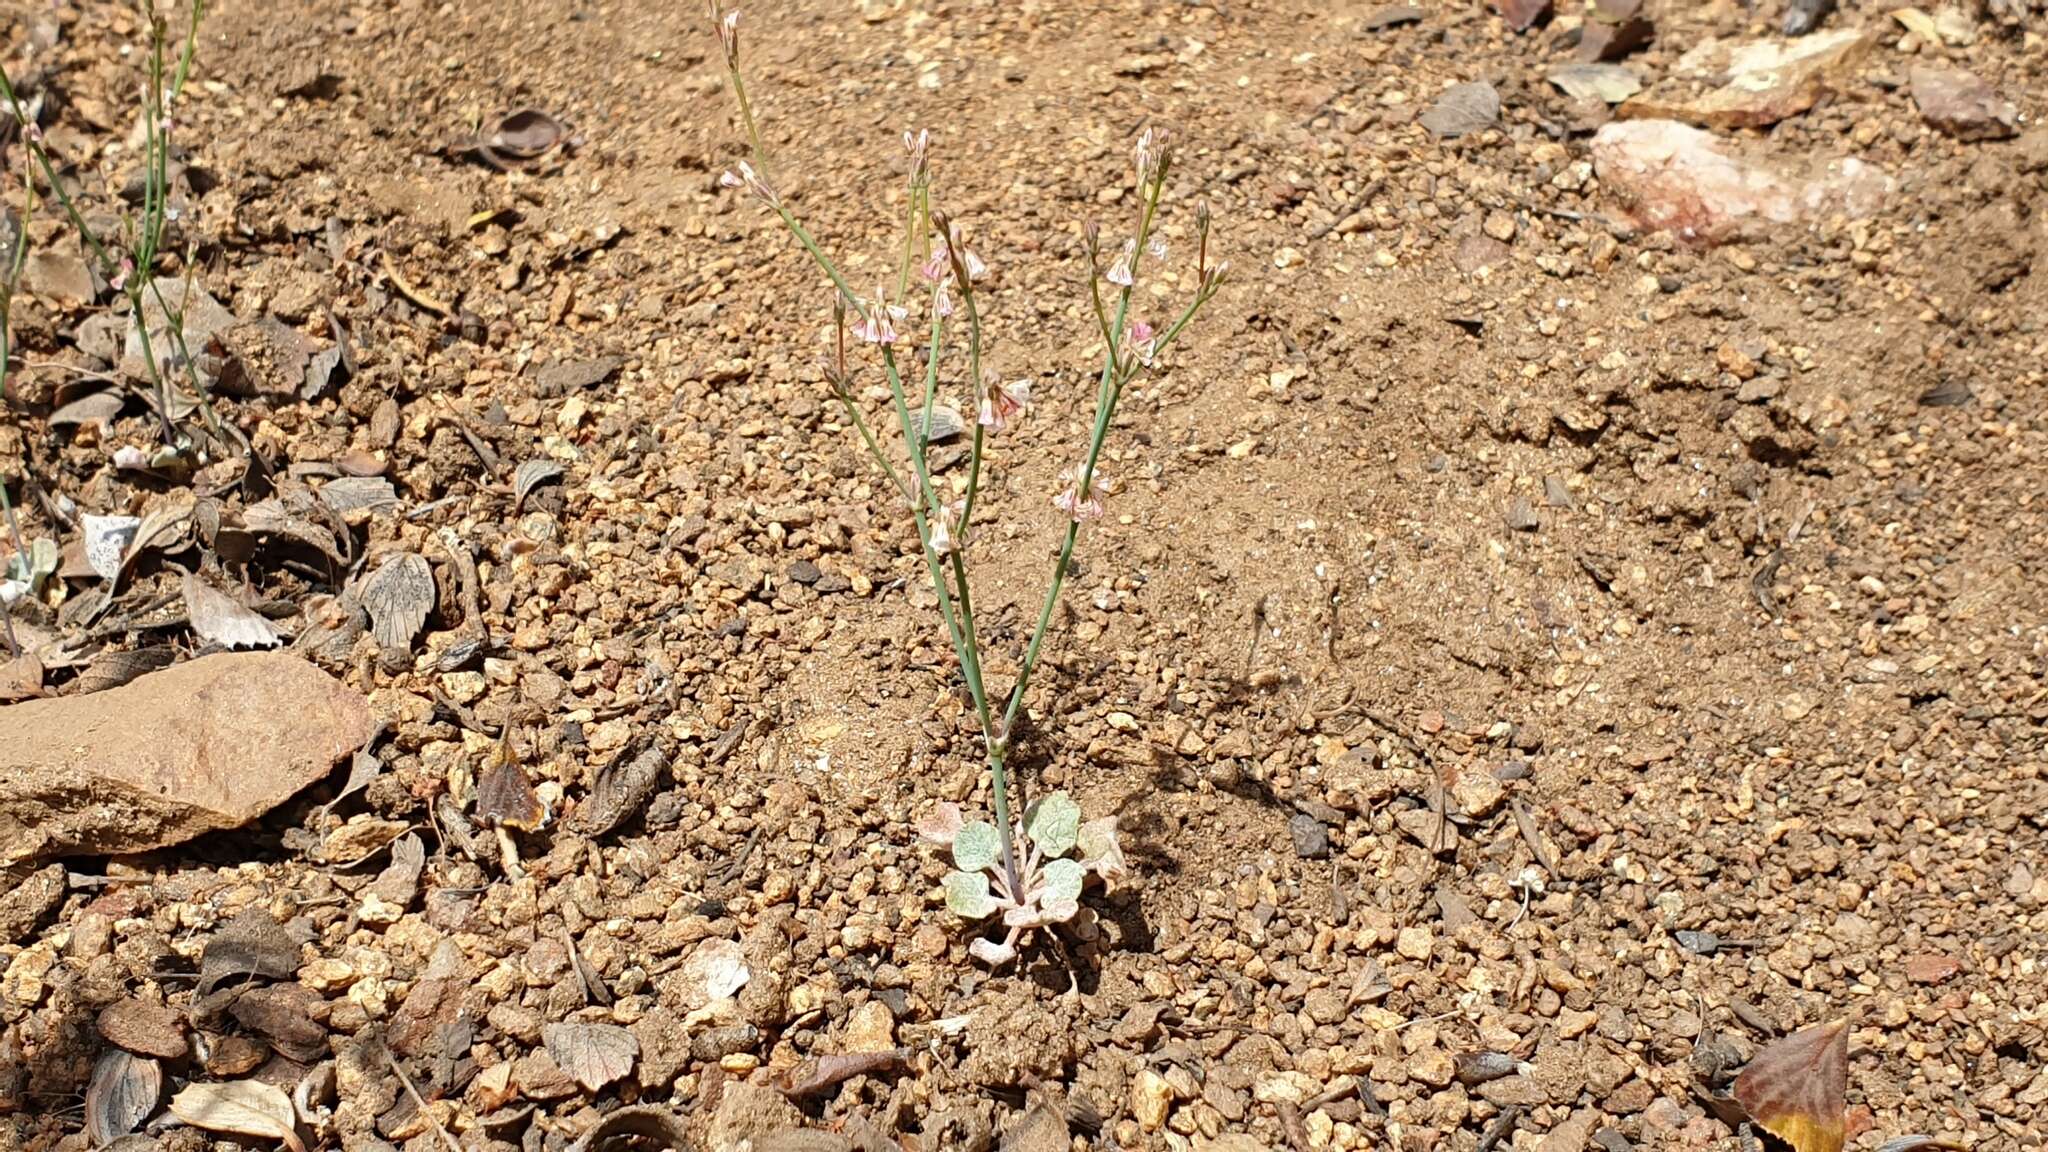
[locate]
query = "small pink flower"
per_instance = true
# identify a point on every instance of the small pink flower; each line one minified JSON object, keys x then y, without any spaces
{"x":1082,"y":506}
{"x":1156,"y":248}
{"x":753,"y":182}
{"x":937,"y":266}
{"x":1142,"y":341}
{"x":1213,"y":276}
{"x":33,"y":131}
{"x":942,"y":299}
{"x":120,"y":279}
{"x":1003,"y":403}
{"x":948,"y":535}
{"x":877,"y":324}
{"x":1120,"y":269}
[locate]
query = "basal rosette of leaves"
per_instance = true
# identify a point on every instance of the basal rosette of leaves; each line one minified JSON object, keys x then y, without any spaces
{"x":1060,"y":852}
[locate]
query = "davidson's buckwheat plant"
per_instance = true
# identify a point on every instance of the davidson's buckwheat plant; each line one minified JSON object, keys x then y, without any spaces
{"x":1030,"y":872}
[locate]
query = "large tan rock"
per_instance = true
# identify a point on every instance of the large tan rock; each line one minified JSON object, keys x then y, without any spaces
{"x":202,"y":746}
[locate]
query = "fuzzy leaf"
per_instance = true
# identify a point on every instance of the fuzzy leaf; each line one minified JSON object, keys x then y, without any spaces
{"x":1062,"y":881}
{"x":240,"y":1108}
{"x":968,"y":896}
{"x":1053,"y":823}
{"x":1100,"y":850}
{"x":976,"y":846}
{"x":1796,"y":1088}
{"x":940,"y":825}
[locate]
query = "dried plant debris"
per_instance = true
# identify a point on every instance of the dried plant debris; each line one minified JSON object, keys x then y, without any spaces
{"x":219,"y":618}
{"x":593,"y":1055}
{"x":398,"y":596}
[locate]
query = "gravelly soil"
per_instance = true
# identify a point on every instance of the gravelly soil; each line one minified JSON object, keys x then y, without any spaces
{"x":1495,"y":589}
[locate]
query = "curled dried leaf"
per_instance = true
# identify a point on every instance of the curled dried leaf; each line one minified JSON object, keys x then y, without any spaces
{"x":530,"y":475}
{"x":240,"y":1108}
{"x":123,"y":1092}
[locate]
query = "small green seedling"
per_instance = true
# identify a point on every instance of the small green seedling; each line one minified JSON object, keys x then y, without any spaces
{"x":1060,"y":852}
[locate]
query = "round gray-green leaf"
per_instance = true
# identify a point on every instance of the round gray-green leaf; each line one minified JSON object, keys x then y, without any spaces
{"x":1062,"y":881}
{"x":968,"y":896}
{"x":1053,"y":823}
{"x":976,"y":846}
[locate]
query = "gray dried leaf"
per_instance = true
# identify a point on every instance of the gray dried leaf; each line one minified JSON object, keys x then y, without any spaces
{"x":530,"y":475}
{"x":398,"y":597}
{"x":124,"y":1091}
{"x":657,"y":1125}
{"x":218,"y":618}
{"x":593,"y":1055}
{"x":946,"y":422}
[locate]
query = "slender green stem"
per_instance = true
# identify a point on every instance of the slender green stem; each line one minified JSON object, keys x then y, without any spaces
{"x":739,"y":90}
{"x":976,"y":385}
{"x":1107,"y":392}
{"x":923,"y":444}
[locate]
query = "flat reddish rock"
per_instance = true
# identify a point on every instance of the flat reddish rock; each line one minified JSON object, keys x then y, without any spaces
{"x":1931,"y":968}
{"x":1522,"y":15}
{"x":202,"y":746}
{"x":1961,"y":104}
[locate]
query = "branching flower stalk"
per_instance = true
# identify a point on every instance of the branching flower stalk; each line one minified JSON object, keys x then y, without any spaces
{"x":133,"y":272}
{"x":935,"y":246}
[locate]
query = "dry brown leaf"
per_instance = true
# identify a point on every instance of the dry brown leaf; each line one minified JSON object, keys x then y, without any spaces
{"x":593,"y":1054}
{"x":1797,"y":1088}
{"x":240,"y":1108}
{"x":124,"y":1091}
{"x":220,"y":619}
{"x":505,"y":795}
{"x":253,"y":944}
